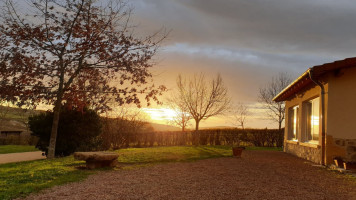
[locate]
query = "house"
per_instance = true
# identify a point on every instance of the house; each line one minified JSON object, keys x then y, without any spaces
{"x":13,"y":128}
{"x":320,"y":113}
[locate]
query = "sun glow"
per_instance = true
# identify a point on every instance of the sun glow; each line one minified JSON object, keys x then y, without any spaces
{"x":160,"y":115}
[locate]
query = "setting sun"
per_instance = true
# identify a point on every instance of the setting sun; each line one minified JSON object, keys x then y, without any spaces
{"x":160,"y":115}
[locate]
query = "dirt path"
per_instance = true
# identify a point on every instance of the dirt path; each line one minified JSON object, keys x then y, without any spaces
{"x":19,"y":157}
{"x":258,"y":175}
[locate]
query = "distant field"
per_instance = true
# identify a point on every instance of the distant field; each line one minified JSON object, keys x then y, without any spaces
{"x":14,"y":118}
{"x":16,"y":149}
{"x":15,"y":113}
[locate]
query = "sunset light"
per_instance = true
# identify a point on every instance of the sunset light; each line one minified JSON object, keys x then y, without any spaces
{"x":160,"y":115}
{"x":177,"y":99}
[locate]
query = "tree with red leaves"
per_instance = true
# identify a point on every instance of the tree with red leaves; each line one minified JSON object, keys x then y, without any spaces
{"x":77,"y":52}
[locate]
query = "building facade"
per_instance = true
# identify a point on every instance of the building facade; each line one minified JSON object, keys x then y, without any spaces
{"x":320,"y":123}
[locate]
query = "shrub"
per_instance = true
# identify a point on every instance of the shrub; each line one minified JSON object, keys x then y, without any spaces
{"x":77,"y":130}
{"x":231,"y":137}
{"x":122,"y":133}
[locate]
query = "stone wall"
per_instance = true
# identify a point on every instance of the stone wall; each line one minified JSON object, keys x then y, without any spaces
{"x":308,"y":152}
{"x":350,"y":148}
{"x":335,"y":147}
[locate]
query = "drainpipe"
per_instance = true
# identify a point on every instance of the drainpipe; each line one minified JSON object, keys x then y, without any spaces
{"x":322,"y":96}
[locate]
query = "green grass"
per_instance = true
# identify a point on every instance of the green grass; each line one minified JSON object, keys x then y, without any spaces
{"x":171,"y":154}
{"x":16,"y":148}
{"x":21,"y":179}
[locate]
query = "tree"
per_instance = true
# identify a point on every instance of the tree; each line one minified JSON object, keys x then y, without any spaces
{"x":203,"y":98}
{"x":80,"y":52}
{"x":275,"y":110}
{"x":78,"y":130}
{"x":181,"y":119}
{"x":126,"y":128}
{"x":182,"y":115}
{"x":239,"y":114}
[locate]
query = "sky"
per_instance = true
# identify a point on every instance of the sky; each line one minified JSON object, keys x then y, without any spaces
{"x":246,"y":41}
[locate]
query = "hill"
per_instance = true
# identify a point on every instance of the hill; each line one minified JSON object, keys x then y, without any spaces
{"x":12,"y":118}
{"x":163,"y":127}
{"x":217,"y":127}
{"x":15,"y":119}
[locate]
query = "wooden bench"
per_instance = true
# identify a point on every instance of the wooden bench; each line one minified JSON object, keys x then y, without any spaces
{"x":97,"y":159}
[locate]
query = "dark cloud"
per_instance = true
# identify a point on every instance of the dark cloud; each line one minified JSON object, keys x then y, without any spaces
{"x":248,"y":41}
{"x":317,"y":27}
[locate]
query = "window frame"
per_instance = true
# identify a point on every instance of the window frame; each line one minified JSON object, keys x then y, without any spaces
{"x":294,"y":121}
{"x":310,"y":107}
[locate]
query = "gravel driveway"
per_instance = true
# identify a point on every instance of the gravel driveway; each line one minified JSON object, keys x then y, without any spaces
{"x":258,"y":175}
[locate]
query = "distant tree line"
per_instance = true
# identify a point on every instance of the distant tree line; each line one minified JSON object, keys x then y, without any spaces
{"x":230,"y":137}
{"x":86,"y":131}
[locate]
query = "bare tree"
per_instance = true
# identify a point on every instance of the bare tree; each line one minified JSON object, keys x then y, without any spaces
{"x":239,"y":115}
{"x":182,"y":116}
{"x":275,"y":110}
{"x":79,"y":51}
{"x":203,"y":98}
{"x":125,"y":128}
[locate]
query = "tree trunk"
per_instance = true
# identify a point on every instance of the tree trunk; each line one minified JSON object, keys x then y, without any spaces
{"x":196,"y":133}
{"x":197,"y":125}
{"x":56,"y":111}
{"x":54,"y":130}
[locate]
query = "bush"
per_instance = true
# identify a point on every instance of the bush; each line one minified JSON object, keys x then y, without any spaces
{"x":122,"y":133}
{"x":231,"y":137}
{"x":77,"y":130}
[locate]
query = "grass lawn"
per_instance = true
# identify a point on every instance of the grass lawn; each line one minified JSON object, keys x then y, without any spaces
{"x":144,"y":156}
{"x":16,"y":148}
{"x":20,"y":179}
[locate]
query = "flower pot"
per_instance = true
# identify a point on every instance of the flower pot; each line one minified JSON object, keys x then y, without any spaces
{"x":339,"y":162}
{"x":237,"y":151}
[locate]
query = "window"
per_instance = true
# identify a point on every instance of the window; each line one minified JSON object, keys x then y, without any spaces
{"x":294,"y":122}
{"x":312,"y":120}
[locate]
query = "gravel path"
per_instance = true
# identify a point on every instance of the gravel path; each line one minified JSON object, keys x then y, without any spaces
{"x":19,"y":157}
{"x":258,"y":175}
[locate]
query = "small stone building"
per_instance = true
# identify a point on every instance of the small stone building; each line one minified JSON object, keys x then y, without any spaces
{"x":320,"y":122}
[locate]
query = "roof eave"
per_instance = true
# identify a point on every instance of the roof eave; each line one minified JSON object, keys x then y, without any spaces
{"x":279,"y":96}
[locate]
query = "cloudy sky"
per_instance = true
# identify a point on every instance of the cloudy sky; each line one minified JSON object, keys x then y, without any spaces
{"x":247,"y":41}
